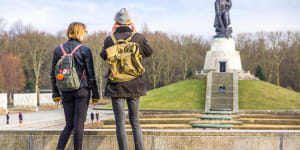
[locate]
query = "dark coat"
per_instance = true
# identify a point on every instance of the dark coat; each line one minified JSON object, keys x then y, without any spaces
{"x":137,"y":86}
{"x":83,"y":61}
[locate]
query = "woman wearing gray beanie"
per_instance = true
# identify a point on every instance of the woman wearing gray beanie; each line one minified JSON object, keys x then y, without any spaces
{"x":128,"y":91}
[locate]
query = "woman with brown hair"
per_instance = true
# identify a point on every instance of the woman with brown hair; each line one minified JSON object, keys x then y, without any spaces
{"x":75,"y":103}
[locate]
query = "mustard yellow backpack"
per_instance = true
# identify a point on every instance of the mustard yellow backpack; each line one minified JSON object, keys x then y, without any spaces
{"x":124,"y":60}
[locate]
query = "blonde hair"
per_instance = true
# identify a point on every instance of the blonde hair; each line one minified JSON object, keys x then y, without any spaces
{"x":76,"y":31}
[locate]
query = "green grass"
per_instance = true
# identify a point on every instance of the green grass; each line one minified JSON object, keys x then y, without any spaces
{"x":259,"y":95}
{"x":184,"y":95}
{"x":190,"y":95}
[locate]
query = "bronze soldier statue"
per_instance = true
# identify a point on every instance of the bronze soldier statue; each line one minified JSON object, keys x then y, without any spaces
{"x":222,"y":19}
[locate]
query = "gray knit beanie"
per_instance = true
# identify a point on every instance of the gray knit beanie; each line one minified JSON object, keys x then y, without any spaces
{"x":122,"y":17}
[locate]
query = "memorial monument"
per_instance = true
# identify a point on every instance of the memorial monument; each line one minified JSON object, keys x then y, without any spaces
{"x":222,"y":64}
{"x":223,"y":56}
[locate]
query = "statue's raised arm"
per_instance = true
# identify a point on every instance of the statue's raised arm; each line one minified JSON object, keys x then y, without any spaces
{"x":222,"y":19}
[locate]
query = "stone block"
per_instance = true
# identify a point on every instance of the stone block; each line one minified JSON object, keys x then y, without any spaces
{"x":46,"y":99}
{"x":3,"y":101}
{"x":25,"y":100}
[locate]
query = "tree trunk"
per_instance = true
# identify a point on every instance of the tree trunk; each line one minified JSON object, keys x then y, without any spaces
{"x":37,"y":90}
{"x":10,"y":99}
{"x":100,"y":88}
{"x":277,"y":74}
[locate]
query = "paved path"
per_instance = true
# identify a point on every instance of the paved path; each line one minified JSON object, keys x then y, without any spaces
{"x":51,"y":119}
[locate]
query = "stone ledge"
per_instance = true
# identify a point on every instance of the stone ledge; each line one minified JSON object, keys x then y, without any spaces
{"x":158,"y":139}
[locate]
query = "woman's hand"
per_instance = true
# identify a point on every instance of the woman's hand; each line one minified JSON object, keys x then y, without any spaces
{"x":114,"y":27}
{"x":57,"y":103}
{"x":133,"y":27}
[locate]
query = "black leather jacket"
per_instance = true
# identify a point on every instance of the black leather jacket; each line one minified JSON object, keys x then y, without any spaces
{"x":83,"y":61}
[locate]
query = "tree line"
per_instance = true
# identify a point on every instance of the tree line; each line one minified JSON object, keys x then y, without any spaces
{"x":26,"y":55}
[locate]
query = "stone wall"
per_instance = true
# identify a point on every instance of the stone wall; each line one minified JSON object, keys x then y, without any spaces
{"x":46,"y":99}
{"x":159,"y":140}
{"x":25,"y":100}
{"x":3,"y":101}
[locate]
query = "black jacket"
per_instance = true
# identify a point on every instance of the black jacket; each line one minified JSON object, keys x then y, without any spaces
{"x":137,"y":86}
{"x":83,"y":59}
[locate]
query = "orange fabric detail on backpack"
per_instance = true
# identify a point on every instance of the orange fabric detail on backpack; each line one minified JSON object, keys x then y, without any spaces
{"x":60,"y":77}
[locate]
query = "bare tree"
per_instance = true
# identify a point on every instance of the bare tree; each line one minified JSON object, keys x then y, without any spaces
{"x":95,"y":42}
{"x":39,"y":47}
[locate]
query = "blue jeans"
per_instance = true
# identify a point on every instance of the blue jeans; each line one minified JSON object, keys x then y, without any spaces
{"x":119,"y":112}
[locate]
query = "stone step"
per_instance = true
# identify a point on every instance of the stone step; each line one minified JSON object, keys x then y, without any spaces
{"x":221,"y":102}
{"x":220,"y":109}
{"x":222,"y":80}
{"x":221,"y":92}
{"x":270,"y":116}
{"x":222,"y":95}
{"x":156,"y":121}
{"x":266,"y":127}
{"x":222,"y":75}
{"x":271,"y":121}
{"x":226,"y":82}
{"x":227,"y":126}
{"x":235,"y":122}
{"x":218,"y":113}
{"x":153,"y":126}
{"x":210,"y":117}
{"x":229,"y":98}
{"x":169,"y":115}
{"x":221,"y":105}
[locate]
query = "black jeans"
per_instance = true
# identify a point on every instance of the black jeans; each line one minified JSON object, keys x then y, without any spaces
{"x":75,"y":108}
{"x":133,"y":110}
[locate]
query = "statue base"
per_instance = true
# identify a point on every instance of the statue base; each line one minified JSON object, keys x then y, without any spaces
{"x":223,"y":57}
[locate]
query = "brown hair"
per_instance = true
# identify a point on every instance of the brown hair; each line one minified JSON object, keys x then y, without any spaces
{"x":76,"y":31}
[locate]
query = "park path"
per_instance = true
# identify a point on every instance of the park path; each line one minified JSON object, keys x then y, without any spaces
{"x":50,"y":119}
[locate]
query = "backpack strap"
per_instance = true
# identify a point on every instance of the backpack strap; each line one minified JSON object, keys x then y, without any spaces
{"x":113,"y":38}
{"x":130,"y":37}
{"x":73,"y":51}
{"x":76,"y":48}
{"x":62,"y":49}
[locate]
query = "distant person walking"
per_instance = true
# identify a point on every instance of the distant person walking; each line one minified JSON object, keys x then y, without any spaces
{"x":224,"y":88}
{"x":75,"y":96}
{"x":92,"y":116}
{"x":130,"y":90}
{"x":97,"y":116}
{"x":20,"y":118}
{"x":7,"y":118}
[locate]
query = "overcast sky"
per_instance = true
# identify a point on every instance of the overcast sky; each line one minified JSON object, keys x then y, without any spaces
{"x":172,"y":16}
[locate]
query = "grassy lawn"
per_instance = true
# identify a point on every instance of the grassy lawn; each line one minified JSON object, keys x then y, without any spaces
{"x":190,"y":95}
{"x":259,"y":95}
{"x":185,"y":95}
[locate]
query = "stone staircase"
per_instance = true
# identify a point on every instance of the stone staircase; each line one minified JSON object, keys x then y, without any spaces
{"x":219,"y":105}
{"x":220,"y":100}
{"x":269,"y":122}
{"x":209,"y":120}
{"x":217,"y":118}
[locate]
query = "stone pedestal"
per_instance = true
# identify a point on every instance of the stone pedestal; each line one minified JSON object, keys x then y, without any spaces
{"x":223,"y":57}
